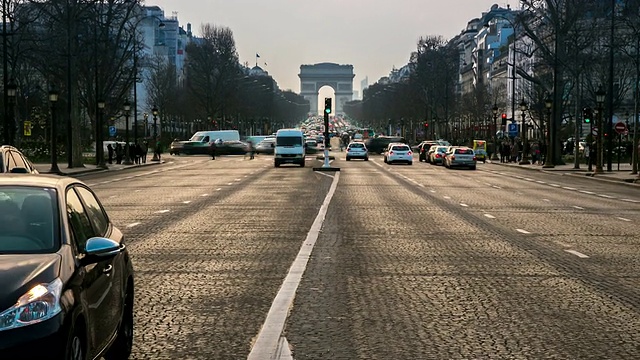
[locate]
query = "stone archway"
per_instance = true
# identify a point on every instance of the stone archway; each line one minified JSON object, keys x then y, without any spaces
{"x":338,"y":77}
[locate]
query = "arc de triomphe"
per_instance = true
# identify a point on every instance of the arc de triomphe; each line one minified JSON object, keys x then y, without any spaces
{"x":338,"y":77}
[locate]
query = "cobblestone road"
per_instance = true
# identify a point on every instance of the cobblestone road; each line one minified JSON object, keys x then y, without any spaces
{"x":413,"y":262}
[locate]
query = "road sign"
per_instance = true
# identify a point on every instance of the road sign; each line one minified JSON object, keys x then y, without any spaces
{"x":620,"y":127}
{"x":112,"y":130}
{"x":27,"y":128}
{"x":513,"y":129}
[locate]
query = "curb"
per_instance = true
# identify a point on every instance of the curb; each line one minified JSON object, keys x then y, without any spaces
{"x":95,"y":171}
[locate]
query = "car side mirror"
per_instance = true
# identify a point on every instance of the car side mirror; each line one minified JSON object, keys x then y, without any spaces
{"x":99,"y":248}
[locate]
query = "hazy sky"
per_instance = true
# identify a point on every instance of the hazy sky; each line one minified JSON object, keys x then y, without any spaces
{"x":372,"y":35}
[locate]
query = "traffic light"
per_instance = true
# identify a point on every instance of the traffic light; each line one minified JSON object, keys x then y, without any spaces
{"x":587,"y":115}
{"x":426,"y":125}
{"x":327,"y":105}
{"x":504,"y":119}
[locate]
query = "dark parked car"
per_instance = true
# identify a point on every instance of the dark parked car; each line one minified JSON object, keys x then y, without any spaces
{"x":176,"y":147}
{"x":66,"y":285}
{"x":266,"y":146}
{"x":235,"y":147}
{"x":13,"y":161}
{"x":379,"y":145}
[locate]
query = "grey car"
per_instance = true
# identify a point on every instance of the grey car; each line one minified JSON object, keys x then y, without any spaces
{"x":460,"y":157}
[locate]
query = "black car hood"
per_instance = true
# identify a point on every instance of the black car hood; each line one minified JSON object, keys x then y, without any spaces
{"x":19,"y":273}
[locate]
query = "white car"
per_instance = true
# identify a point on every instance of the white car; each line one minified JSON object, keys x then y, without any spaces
{"x":397,"y":152}
{"x":357,"y":150}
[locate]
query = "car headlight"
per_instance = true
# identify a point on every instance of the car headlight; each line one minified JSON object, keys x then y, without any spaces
{"x":40,"y":303}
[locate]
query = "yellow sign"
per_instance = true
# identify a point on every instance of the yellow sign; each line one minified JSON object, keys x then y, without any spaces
{"x":27,"y":128}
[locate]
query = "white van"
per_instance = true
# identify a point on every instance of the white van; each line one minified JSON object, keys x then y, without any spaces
{"x":289,"y":147}
{"x":201,"y":141}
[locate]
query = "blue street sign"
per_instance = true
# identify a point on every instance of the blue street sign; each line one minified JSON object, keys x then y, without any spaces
{"x":513,"y":130}
{"x":112,"y":130}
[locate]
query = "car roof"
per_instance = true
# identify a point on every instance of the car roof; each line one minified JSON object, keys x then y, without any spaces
{"x":43,"y":180}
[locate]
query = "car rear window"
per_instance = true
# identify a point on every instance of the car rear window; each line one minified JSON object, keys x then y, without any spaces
{"x":357,"y":145}
{"x":464,"y":151}
{"x":400,"y":148}
{"x":442,"y":149}
{"x":28,"y":220}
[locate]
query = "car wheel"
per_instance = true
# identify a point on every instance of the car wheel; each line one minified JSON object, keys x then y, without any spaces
{"x":366,"y":158}
{"x":473,"y":167}
{"x":75,"y":348}
{"x":302,"y":163}
{"x":410,"y":162}
{"x":276,"y":164}
{"x":348,"y":158}
{"x":121,"y":347}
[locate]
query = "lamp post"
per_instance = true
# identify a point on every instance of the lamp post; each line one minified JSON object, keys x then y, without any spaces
{"x":127,"y":150}
{"x":525,"y":130}
{"x":12,"y":89}
{"x":494,"y":153}
{"x":100,"y":163}
{"x":544,"y":136}
{"x":154,"y":112}
{"x":600,"y":96}
{"x":53,"y":99}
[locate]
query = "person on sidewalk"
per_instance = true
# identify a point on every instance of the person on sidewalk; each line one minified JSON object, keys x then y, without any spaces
{"x":119,"y":153}
{"x":110,"y":153}
{"x":143,"y":151}
{"x":212,"y":150}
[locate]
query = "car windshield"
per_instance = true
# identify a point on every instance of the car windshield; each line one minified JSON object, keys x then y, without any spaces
{"x":442,"y":149}
{"x":400,"y":148}
{"x":28,"y":223}
{"x":464,"y":151}
{"x":288,"y":141}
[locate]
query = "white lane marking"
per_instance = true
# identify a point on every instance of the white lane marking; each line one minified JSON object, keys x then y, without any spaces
{"x":138,"y":190}
{"x":432,"y":191}
{"x":487,"y":184}
{"x":218,"y":189}
{"x":118,"y":179}
{"x":529,"y":179}
{"x":447,"y":197}
{"x":554,"y":185}
{"x":489,"y":216}
{"x":186,"y":202}
{"x":266,"y":344}
{"x":238,"y":179}
{"x":523,"y":231}
{"x":569,"y":188}
{"x":132,"y":225}
{"x":578,"y":254}
{"x":464,"y":205}
{"x":419,"y":184}
{"x":606,"y":196}
{"x":112,"y":196}
{"x":496,"y":187}
{"x":624,"y":219}
{"x":203,"y":195}
{"x":541,"y":182}
{"x":230,"y":183}
{"x":322,"y":173}
{"x":246,"y":176}
{"x":630,"y":200}
{"x":578,"y":207}
{"x":546,"y":200}
{"x":161,"y":211}
{"x":587,"y":192}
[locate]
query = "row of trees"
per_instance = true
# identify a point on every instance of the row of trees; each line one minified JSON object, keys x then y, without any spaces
{"x":565,"y":50}
{"x":91,"y":52}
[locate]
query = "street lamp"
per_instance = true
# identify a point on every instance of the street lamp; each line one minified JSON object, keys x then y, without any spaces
{"x":100,"y":163}
{"x":548,"y":157}
{"x":600,"y":97}
{"x":494,"y":154}
{"x":154,"y":112}
{"x":525,"y":129}
{"x":127,"y":149}
{"x":12,"y":89}
{"x":53,"y":99}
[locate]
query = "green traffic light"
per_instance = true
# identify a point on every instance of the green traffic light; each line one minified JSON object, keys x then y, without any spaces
{"x":587,"y":120}
{"x":328,"y":111}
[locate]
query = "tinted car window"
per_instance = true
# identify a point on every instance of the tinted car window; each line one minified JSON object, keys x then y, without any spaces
{"x":95,"y":211}
{"x":356,"y":146}
{"x":464,"y":151}
{"x":400,"y":148}
{"x":442,"y":149}
{"x":28,"y":220}
{"x":81,"y":228}
{"x":1,"y":163}
{"x":288,"y":141}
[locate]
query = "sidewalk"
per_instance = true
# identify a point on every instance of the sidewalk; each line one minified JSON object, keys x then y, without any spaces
{"x":44,"y":168}
{"x":623,"y":175}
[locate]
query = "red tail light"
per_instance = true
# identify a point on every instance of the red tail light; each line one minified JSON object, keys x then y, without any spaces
{"x":409,"y":153}
{"x":453,"y":157}
{"x":438,"y":156}
{"x":390,"y":152}
{"x":475,"y":159}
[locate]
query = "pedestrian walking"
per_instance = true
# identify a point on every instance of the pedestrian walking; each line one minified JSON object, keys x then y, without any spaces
{"x":110,"y":152}
{"x":144,"y":149}
{"x":119,"y":153}
{"x":212,"y":150}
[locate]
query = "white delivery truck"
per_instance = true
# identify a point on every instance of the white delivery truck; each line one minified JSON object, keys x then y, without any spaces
{"x":289,"y":147}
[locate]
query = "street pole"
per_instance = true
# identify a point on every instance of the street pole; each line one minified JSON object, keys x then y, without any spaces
{"x":5,"y":73}
{"x":53,"y":99}
{"x":600,"y":97}
{"x":327,"y":141}
{"x":100,"y":161}
{"x":578,"y":129}
{"x":135,"y":95}
{"x":610,"y":84}
{"x":634,"y":158}
{"x":127,"y":147}
{"x":525,"y":141}
{"x":494,"y":153}
{"x":154,"y":111}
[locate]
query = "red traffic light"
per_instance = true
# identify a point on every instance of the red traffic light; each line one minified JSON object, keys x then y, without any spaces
{"x":504,"y":116}
{"x":426,"y":124}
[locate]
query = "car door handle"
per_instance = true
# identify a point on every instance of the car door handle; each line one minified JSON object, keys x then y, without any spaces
{"x":107,"y":269}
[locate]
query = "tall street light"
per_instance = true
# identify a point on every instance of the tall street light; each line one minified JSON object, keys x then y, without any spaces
{"x":100,"y":161}
{"x":127,"y":147}
{"x":600,"y":97}
{"x":494,"y":154}
{"x":12,"y":89}
{"x":525,"y":129}
{"x":53,"y":99}
{"x":548,"y":104}
{"x":154,"y":111}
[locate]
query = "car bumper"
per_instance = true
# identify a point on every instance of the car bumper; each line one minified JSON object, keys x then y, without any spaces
{"x":399,"y":158}
{"x":38,"y":341}
{"x":357,"y":155}
{"x":462,"y":163}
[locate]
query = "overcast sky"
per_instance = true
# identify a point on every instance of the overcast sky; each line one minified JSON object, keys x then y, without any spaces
{"x":372,"y":35}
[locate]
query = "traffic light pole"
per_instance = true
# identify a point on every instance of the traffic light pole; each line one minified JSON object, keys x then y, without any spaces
{"x":327,"y":141}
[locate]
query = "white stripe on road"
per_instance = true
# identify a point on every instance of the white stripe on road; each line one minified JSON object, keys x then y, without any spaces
{"x":464,"y":205}
{"x":230,"y":184}
{"x":606,"y":196}
{"x":268,"y":341}
{"x":624,"y":219}
{"x":630,"y":200}
{"x":490,"y":216}
{"x":523,"y":231}
{"x":186,"y":201}
{"x":587,"y":192}
{"x":578,"y":207}
{"x":132,"y":225}
{"x":218,"y":189}
{"x":528,"y":179}
{"x":546,"y":200}
{"x":432,"y":191}
{"x":322,"y":173}
{"x":447,"y":197}
{"x":238,"y":179}
{"x":496,"y":187}
{"x":162,"y":211}
{"x":554,"y":185}
{"x":541,"y":182}
{"x":203,"y":195}
{"x":569,"y":188}
{"x":578,"y":254}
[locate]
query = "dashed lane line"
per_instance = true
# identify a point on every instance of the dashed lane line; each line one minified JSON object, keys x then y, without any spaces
{"x":464,"y":205}
{"x":186,"y":202}
{"x":161,"y":211}
{"x":447,"y":197}
{"x":547,"y":200}
{"x":204,"y":195}
{"x":129,"y":226}
{"x":606,"y":196}
{"x":218,"y":189}
{"x":630,"y":200}
{"x":554,"y":185}
{"x":577,"y":253}
{"x":624,"y":219}
{"x":569,"y":188}
{"x":587,"y":192}
{"x":489,"y":216}
{"x":522,"y":231}
{"x":230,"y":183}
{"x":578,"y":207}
